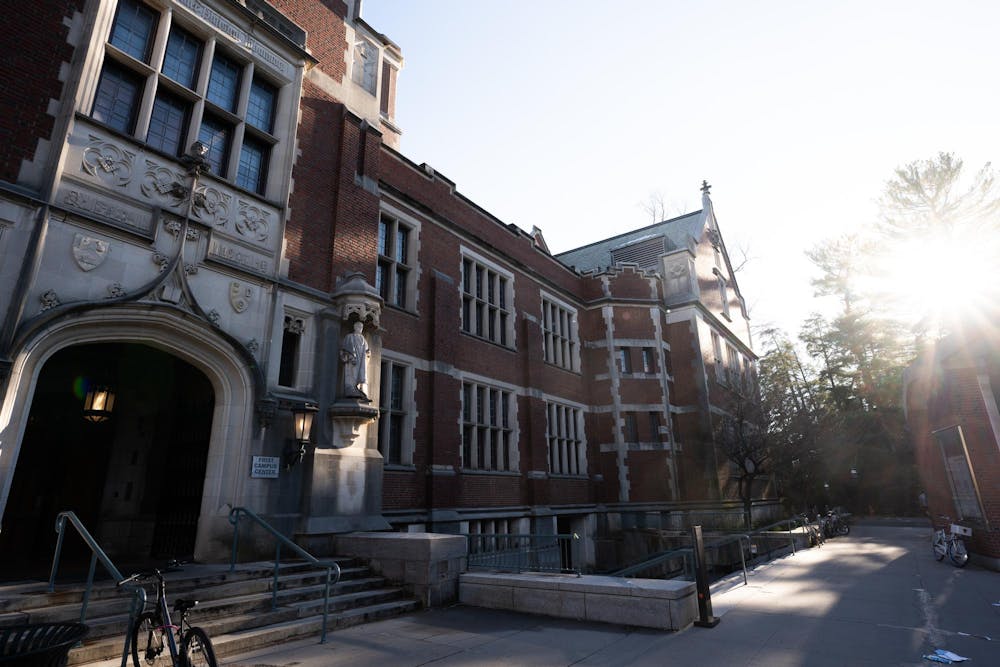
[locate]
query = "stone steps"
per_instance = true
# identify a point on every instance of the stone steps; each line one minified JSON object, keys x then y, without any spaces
{"x":235,"y":608}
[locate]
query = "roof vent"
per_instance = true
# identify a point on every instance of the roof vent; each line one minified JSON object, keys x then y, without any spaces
{"x":645,"y":254}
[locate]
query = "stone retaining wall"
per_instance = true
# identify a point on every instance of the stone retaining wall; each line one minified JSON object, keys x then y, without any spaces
{"x":650,"y":603}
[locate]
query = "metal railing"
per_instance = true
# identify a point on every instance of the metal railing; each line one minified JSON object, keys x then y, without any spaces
{"x":331,"y":566}
{"x":520,"y":553}
{"x":663,"y":563}
{"x":96,"y":554}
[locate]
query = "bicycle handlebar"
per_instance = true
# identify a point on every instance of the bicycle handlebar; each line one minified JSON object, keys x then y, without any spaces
{"x":139,"y":576}
{"x":155,"y":573}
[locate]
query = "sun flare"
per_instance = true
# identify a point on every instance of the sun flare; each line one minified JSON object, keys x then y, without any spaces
{"x":935,"y":280}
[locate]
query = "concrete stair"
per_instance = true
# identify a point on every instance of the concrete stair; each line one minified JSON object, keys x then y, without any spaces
{"x":234,"y":608}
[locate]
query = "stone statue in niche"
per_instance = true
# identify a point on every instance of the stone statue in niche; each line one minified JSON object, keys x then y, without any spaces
{"x":354,"y":353}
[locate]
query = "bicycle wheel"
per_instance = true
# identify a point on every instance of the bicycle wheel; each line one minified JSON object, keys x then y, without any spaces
{"x":149,"y":646}
{"x":940,"y":549}
{"x":197,"y":650}
{"x":956,"y":551}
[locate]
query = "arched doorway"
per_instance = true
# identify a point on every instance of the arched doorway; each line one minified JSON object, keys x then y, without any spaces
{"x":135,"y":479}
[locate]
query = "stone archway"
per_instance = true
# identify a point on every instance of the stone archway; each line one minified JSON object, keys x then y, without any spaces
{"x":170,"y":333}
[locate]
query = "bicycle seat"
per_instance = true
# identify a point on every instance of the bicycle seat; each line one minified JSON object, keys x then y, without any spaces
{"x":181,"y":605}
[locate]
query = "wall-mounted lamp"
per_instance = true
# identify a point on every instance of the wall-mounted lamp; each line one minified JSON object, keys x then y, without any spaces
{"x":98,"y":404}
{"x":302,"y":421}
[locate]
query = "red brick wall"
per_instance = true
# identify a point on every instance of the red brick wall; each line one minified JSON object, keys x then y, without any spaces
{"x":945,"y":396}
{"x":326,"y":33}
{"x":34,"y":46}
{"x":649,"y":476}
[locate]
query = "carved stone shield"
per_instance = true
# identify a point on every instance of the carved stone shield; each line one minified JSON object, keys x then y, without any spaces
{"x":89,"y":252}
{"x":240,"y":296}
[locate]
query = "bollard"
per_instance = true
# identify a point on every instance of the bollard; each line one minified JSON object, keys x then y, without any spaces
{"x":705,"y":618}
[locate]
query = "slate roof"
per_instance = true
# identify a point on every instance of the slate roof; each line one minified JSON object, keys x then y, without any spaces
{"x":598,"y":254}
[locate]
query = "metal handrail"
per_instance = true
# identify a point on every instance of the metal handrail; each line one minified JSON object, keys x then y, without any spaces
{"x":662,"y":557}
{"x":96,"y":554}
{"x":522,"y":551}
{"x":331,"y":566}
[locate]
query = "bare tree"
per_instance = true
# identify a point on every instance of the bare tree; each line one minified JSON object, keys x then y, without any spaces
{"x":743,"y":435}
{"x":657,"y":207}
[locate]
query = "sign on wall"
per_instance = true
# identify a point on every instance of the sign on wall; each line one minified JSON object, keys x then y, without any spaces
{"x":265,"y":467}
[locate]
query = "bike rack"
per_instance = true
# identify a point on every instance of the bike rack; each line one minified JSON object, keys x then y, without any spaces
{"x":97,"y":554}
{"x":331,"y":566}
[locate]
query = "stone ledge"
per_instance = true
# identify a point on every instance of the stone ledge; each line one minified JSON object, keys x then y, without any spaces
{"x":650,"y":603}
{"x":426,"y":564}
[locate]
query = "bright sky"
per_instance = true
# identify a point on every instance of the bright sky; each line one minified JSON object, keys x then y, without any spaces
{"x":569,"y":114}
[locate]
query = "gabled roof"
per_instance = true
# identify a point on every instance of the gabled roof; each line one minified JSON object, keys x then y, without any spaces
{"x":675,"y":233}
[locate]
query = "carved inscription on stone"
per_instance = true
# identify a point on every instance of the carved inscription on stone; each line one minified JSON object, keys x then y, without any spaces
{"x":101,"y":208}
{"x":238,"y":35}
{"x":233,"y":254}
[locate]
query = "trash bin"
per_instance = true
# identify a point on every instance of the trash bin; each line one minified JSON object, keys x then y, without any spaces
{"x":39,"y":644}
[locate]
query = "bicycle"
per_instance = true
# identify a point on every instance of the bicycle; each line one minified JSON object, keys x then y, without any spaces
{"x":951,"y":544}
{"x":837,"y":523}
{"x":151,"y":628}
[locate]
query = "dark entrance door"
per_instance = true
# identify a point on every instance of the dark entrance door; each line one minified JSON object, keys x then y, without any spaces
{"x":134,"y":480}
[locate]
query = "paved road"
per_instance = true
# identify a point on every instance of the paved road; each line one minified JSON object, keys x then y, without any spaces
{"x":876,"y":597}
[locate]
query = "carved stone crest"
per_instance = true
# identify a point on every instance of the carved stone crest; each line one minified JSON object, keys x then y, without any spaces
{"x":89,"y":252}
{"x":240,"y":296}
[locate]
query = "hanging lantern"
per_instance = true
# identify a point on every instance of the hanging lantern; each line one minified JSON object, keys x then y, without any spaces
{"x":98,"y":404}
{"x":303,"y":420}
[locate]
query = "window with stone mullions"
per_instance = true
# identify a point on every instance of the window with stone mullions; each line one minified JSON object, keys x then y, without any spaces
{"x":486,"y":428}
{"x":392,"y":413}
{"x":484,"y":302}
{"x":566,"y":453}
{"x":560,"y":337}
{"x":392,"y":274}
{"x":240,"y":140}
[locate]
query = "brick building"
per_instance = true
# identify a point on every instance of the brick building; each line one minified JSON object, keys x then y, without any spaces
{"x":498,"y":388}
{"x":951,"y":398}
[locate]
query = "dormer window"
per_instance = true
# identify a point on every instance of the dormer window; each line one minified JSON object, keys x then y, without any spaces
{"x":364,"y":70}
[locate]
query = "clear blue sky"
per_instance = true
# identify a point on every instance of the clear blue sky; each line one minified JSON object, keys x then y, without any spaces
{"x":568,"y":115}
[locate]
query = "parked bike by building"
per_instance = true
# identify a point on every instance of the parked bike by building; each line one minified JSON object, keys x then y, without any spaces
{"x":837,"y":523}
{"x":949,"y":540}
{"x":155,"y":641}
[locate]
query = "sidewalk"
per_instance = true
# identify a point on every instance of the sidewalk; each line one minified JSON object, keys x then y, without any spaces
{"x":876,"y":597}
